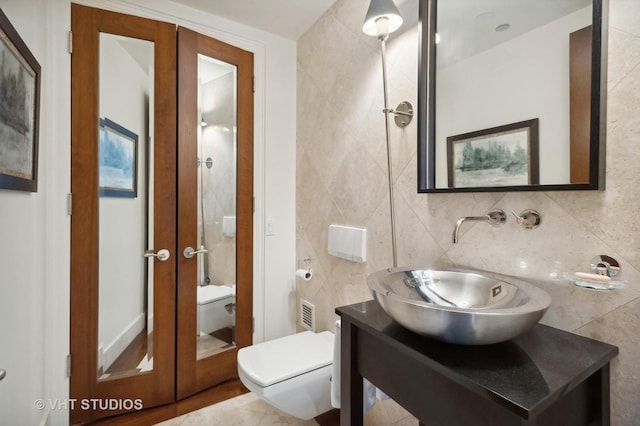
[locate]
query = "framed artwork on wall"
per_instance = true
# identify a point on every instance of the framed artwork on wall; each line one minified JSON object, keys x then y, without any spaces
{"x":500,"y":156}
{"x":19,"y":111}
{"x":118,"y":160}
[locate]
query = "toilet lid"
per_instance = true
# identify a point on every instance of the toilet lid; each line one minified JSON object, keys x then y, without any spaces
{"x":276,"y":360}
{"x":211,"y":293}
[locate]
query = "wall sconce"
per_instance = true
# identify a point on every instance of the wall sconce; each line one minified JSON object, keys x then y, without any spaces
{"x":382,"y":19}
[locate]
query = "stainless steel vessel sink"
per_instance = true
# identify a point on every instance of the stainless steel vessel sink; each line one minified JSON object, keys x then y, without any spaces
{"x":459,"y":307}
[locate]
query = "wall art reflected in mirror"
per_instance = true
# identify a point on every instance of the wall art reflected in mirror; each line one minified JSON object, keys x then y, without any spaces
{"x":126,"y":208}
{"x":501,"y":156}
{"x":489,"y":70}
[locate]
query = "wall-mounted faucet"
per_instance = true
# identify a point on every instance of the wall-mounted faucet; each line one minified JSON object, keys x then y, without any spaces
{"x":495,"y":217}
{"x":528,"y":219}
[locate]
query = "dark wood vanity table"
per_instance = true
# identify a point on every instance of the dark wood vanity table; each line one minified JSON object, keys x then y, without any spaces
{"x":544,"y":377}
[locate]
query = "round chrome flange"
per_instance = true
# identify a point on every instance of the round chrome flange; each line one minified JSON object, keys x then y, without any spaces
{"x":403,"y":114}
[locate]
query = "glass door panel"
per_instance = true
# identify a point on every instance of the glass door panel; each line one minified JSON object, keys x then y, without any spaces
{"x":216,"y":198}
{"x":125,"y":297}
{"x":215,"y":207}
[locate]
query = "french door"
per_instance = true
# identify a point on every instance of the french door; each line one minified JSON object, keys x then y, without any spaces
{"x":215,"y":209}
{"x":161,"y":225}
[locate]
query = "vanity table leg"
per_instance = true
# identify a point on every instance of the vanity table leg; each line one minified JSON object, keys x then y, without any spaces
{"x":350,"y":380}
{"x":605,"y":395}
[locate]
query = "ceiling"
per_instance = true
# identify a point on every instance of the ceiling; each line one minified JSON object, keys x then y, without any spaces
{"x":291,"y":18}
{"x":286,"y":18}
{"x":467,"y":27}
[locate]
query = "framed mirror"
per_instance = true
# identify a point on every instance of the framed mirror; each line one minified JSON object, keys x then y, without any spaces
{"x":512,"y":95}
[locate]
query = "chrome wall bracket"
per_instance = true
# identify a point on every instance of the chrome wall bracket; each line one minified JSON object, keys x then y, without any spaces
{"x":403,"y":114}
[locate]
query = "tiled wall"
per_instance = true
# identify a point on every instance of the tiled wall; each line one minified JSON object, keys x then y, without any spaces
{"x":219,"y":180}
{"x":341,"y":178}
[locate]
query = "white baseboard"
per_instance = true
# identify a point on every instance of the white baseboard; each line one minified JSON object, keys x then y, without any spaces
{"x":124,"y":339}
{"x":44,"y":421}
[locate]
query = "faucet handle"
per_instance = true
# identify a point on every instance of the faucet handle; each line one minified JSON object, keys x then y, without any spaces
{"x":496,"y":217}
{"x":528,"y":219}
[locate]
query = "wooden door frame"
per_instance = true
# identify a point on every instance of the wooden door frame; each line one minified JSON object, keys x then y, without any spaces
{"x":580,"y":48}
{"x":156,"y":387}
{"x":195,"y":375}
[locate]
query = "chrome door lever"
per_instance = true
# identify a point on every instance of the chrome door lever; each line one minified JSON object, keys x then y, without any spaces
{"x":189,"y":252}
{"x":162,"y":255}
{"x":3,"y":374}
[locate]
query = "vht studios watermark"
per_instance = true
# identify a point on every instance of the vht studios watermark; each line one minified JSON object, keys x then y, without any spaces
{"x":109,"y":404}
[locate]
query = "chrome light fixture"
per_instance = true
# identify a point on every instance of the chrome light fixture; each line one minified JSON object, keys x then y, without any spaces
{"x":382,"y":19}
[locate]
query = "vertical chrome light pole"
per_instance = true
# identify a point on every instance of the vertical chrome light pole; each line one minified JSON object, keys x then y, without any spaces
{"x":382,"y":19}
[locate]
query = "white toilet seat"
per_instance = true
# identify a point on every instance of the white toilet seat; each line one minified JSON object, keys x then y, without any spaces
{"x":292,"y":373}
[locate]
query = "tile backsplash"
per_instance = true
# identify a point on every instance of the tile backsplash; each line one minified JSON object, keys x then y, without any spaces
{"x":341,"y":178}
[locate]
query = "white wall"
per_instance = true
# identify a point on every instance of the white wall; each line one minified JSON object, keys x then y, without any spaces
{"x":486,"y":91}
{"x":34,"y":232}
{"x":34,"y":228}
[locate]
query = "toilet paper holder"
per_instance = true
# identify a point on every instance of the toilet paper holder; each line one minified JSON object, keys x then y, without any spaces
{"x":305,"y":274}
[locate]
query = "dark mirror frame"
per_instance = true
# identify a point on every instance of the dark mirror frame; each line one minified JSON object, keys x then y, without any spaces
{"x":427,"y":113}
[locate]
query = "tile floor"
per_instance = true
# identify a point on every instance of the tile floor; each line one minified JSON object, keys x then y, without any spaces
{"x":243,"y":410}
{"x":249,"y":410}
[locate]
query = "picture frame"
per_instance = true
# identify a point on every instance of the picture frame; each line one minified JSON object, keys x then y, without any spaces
{"x":117,"y":160}
{"x":19,"y":111}
{"x":502,"y":156}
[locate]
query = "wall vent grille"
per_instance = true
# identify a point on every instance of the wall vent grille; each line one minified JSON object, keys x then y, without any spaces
{"x":307,"y":315}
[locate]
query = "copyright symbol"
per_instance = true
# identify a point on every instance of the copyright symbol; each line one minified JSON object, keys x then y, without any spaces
{"x":39,"y":404}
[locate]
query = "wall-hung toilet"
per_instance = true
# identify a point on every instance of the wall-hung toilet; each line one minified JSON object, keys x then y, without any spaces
{"x":216,"y":308}
{"x":292,"y":373}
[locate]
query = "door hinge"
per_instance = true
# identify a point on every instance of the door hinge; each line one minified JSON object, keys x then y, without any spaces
{"x":254,"y":84}
{"x":70,"y":42}
{"x":254,"y":204}
{"x":253,"y":324}
{"x":69,"y":365}
{"x":69,"y":204}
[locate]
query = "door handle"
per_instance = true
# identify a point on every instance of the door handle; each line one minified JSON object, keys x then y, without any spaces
{"x":3,"y":374}
{"x":189,"y":252}
{"x":162,"y":255}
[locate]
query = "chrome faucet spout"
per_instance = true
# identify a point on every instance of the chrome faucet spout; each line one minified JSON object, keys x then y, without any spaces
{"x":494,"y":217}
{"x":464,"y":219}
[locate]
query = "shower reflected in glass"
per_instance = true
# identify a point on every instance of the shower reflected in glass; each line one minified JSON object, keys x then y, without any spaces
{"x":217,"y":161}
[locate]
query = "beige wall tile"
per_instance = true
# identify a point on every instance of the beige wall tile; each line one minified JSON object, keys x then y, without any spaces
{"x":342,"y":178}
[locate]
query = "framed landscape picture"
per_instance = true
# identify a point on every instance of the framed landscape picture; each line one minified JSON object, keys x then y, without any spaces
{"x":500,"y":156}
{"x":19,"y":111}
{"x":118,"y":160}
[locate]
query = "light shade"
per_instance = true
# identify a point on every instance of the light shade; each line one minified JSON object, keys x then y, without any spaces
{"x":374,"y":25}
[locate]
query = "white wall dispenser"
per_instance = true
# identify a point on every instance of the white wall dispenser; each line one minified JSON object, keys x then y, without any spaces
{"x":348,"y":242}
